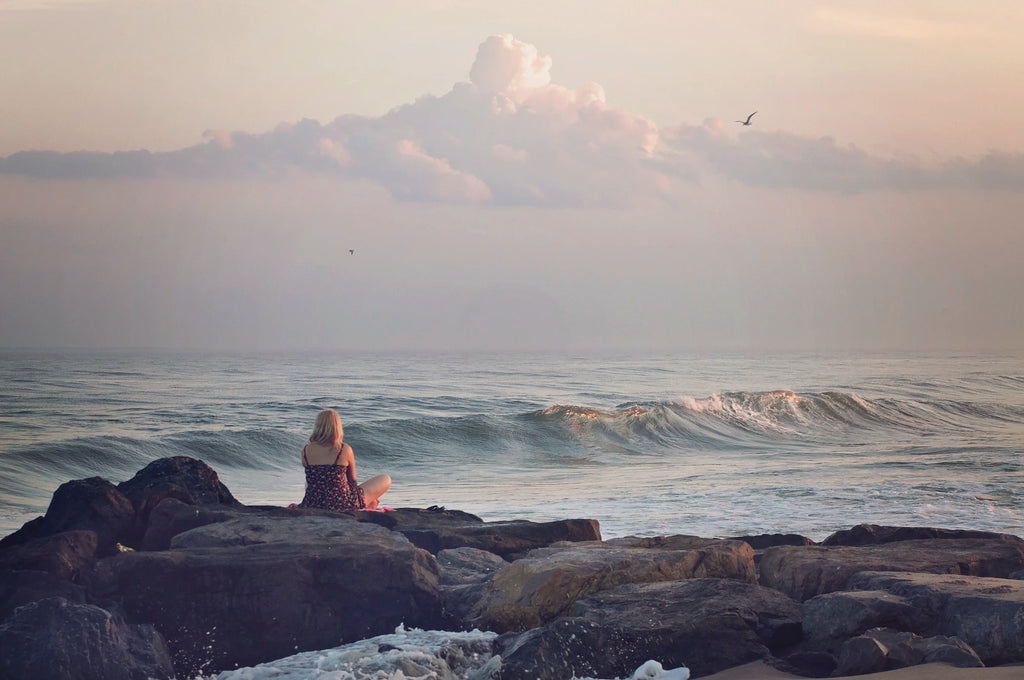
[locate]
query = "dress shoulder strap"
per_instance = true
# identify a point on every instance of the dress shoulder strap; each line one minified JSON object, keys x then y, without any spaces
{"x":340,"y":451}
{"x":305,"y":462}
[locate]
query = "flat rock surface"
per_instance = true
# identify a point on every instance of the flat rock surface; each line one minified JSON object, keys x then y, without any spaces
{"x":986,"y":613}
{"x":806,"y":571}
{"x":544,"y":585}
{"x":260,"y":588}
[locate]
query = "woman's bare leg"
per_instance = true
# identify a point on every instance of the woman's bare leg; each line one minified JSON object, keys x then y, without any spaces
{"x":373,"y":489}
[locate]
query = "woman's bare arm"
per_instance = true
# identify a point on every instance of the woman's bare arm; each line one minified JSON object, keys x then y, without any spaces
{"x":349,"y":458}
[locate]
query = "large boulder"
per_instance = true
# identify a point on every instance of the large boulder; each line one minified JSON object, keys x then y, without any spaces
{"x":831,"y":619}
{"x":707,"y":625}
{"x":762,"y":541}
{"x":860,"y":656}
{"x":260,"y":588}
{"x":186,"y":479}
{"x":985,"y":613}
{"x":435,"y":532}
{"x":538,"y":588}
{"x":875,"y":534}
{"x":464,"y":572}
{"x":881,"y":649}
{"x":171,"y":517}
{"x":20,"y":587}
{"x":54,"y":638}
{"x":92,"y":504}
{"x":806,"y":571}
{"x":60,"y":554}
{"x":120,"y":514}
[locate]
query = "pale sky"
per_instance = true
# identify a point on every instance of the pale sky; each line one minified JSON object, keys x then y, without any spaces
{"x":571,"y":175}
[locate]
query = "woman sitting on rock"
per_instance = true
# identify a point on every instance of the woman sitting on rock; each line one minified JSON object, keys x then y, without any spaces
{"x":331,"y":470}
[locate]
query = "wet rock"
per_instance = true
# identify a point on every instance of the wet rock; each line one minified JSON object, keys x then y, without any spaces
{"x":861,"y":655}
{"x":19,"y":588}
{"x":54,"y":638}
{"x":171,"y":517}
{"x":804,"y":572}
{"x":464,"y":571}
{"x":92,"y":504}
{"x":60,"y":554}
{"x":707,"y":625}
{"x":538,"y":588}
{"x":461,"y":566}
{"x":884,"y":649}
{"x":762,"y":541}
{"x":506,"y":539}
{"x":186,"y":479}
{"x":831,"y":619}
{"x":985,"y":613}
{"x":807,"y":664}
{"x":875,"y":534}
{"x":908,"y":649}
{"x":258,"y":588}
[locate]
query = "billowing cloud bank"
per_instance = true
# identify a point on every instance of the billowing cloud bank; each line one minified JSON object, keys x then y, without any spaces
{"x":511,"y":136}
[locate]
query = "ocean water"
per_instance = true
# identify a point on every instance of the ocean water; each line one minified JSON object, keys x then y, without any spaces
{"x":705,"y":444}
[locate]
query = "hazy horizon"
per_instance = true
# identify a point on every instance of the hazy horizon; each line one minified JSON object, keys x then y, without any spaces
{"x":193,"y":175}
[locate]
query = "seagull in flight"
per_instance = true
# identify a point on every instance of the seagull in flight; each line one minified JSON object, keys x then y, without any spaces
{"x":747,"y":121}
{"x":351,"y":252}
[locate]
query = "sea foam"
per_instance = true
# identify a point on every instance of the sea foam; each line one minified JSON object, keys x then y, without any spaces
{"x":408,"y":654}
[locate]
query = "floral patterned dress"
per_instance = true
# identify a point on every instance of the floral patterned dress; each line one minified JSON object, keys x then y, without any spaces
{"x":327,"y":487}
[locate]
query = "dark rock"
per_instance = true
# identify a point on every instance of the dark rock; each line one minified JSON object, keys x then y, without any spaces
{"x":861,"y":655}
{"x":773,"y":617}
{"x":874,"y":534}
{"x":674,"y":542}
{"x":461,"y":566}
{"x":762,"y":541}
{"x":804,"y":572}
{"x":54,"y":638}
{"x":808,"y":664}
{"x":30,"y":530}
{"x":707,"y":625}
{"x":463,"y":574}
{"x":985,"y":613}
{"x":538,"y":588}
{"x":188,"y":480}
{"x":506,"y":539}
{"x":907,"y":649}
{"x":171,"y":517}
{"x":18,"y":588}
{"x":409,"y":519}
{"x":60,"y":554}
{"x":884,"y":649}
{"x":952,"y":652}
{"x":92,"y":504}
{"x":832,"y":618}
{"x":570,"y":648}
{"x":256,"y":589}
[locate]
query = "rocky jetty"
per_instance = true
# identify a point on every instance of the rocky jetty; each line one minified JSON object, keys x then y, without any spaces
{"x":167,"y":575}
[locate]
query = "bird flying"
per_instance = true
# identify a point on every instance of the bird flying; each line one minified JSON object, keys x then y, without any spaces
{"x":747,"y":121}
{"x":351,"y":252}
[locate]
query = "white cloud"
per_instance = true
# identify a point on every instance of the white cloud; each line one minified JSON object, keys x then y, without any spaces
{"x":786,"y":160}
{"x":511,"y":136}
{"x":510,"y":67}
{"x":221,"y":138}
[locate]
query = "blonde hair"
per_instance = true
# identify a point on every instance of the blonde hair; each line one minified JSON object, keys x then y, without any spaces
{"x":327,"y":430}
